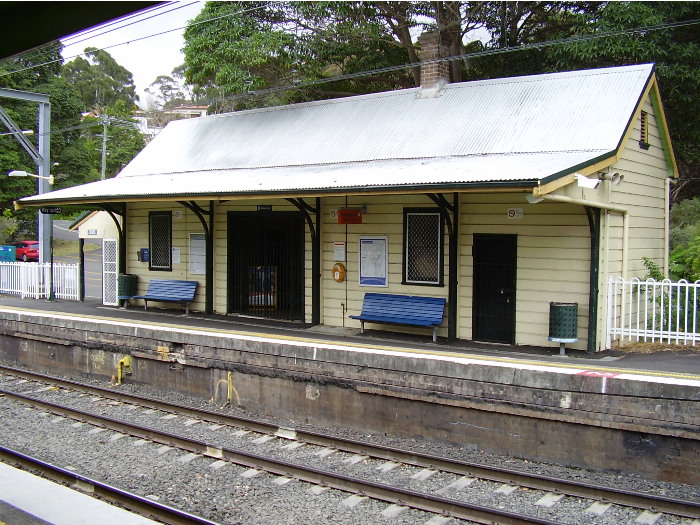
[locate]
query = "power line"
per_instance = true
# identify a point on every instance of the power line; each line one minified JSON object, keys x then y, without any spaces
{"x":388,"y":69}
{"x":477,"y":54}
{"x":86,"y":33}
{"x":67,"y":59}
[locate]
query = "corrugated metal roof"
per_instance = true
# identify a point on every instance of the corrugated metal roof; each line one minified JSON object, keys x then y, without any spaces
{"x":502,"y":130}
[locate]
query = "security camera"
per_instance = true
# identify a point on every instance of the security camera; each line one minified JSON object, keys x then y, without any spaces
{"x":585,"y":182}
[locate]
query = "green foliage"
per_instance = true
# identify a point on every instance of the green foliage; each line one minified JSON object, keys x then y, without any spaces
{"x":261,"y":45}
{"x":685,"y":240}
{"x":675,"y":51}
{"x":653,"y":270}
{"x":75,"y":150}
{"x":100,"y":80}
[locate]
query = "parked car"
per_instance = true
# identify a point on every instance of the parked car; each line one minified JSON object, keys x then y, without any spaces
{"x":27,"y":251}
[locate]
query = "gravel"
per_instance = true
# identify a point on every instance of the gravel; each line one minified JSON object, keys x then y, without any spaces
{"x":231,"y":494}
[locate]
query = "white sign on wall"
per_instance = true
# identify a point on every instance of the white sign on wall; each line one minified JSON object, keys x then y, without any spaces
{"x":373,"y":261}
{"x":515,"y":213}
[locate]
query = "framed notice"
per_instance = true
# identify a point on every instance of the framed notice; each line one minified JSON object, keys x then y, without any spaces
{"x":374,"y":261}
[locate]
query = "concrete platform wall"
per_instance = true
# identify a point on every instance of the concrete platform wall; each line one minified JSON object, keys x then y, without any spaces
{"x":581,"y":420}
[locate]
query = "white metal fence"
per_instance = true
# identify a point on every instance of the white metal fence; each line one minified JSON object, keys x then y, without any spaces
{"x":653,"y":311}
{"x":34,"y":280}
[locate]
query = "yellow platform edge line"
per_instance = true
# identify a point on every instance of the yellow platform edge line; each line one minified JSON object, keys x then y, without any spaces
{"x":311,"y":341}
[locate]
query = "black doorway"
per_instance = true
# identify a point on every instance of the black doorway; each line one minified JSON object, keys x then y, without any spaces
{"x":266,"y":264}
{"x":495,"y":264}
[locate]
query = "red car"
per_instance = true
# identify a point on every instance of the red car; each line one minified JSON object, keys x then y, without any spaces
{"x":27,"y":251}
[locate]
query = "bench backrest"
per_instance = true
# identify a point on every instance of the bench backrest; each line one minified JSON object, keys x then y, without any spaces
{"x":172,"y":288}
{"x":409,"y":307}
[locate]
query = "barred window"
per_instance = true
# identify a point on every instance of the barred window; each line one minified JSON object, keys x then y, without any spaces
{"x":423,"y":260}
{"x":160,"y":240}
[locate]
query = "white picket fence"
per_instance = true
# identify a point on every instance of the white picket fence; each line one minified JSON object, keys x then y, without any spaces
{"x":653,"y":311}
{"x":34,"y":280}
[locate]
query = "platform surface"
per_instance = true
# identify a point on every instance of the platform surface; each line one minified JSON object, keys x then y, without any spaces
{"x":666,"y":364}
{"x":26,"y":499}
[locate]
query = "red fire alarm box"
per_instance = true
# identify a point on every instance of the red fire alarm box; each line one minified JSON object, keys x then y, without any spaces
{"x":350,"y":216}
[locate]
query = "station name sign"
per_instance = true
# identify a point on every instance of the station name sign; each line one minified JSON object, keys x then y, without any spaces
{"x":50,"y":210}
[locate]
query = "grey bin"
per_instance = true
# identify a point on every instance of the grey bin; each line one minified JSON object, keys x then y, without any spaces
{"x":126,"y":286}
{"x":563,"y":324}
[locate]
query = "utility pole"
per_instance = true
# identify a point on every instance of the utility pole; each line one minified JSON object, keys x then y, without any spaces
{"x":105,"y":121}
{"x":39,"y":154}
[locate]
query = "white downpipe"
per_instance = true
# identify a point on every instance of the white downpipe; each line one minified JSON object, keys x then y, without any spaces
{"x":667,"y":220}
{"x":625,"y":238}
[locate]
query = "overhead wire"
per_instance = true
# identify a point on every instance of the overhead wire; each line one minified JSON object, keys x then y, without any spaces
{"x":297,"y":85}
{"x":388,"y":69}
{"x":67,"y":59}
{"x":477,"y":54}
{"x":123,"y":19}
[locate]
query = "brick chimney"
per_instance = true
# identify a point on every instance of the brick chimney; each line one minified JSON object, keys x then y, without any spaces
{"x":434,"y":75}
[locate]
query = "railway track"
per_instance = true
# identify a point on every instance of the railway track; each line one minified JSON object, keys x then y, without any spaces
{"x":425,"y":466}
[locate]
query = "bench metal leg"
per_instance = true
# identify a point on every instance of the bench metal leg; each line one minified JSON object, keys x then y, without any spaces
{"x":362,"y":327}
{"x":435,"y":329}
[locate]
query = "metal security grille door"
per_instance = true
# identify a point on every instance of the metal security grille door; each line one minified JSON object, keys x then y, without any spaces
{"x":495,"y":263}
{"x":110,"y":257}
{"x":266,"y":264}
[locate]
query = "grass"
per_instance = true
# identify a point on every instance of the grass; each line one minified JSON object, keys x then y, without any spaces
{"x":62,"y":247}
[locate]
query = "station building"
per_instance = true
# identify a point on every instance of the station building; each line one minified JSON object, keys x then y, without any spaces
{"x":501,"y":196}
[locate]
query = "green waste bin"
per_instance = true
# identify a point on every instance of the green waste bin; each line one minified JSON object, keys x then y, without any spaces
{"x":563,"y":323}
{"x":126,"y":286}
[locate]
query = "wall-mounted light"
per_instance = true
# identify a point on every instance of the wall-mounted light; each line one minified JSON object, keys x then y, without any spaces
{"x":614,"y":177}
{"x":22,"y":173}
{"x":532,"y":199}
{"x":23,"y":132}
{"x":585,"y":182}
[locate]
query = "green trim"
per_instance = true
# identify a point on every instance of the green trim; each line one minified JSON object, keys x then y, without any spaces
{"x":422,"y":188}
{"x":637,"y":105}
{"x":79,"y":219}
{"x":664,"y":134}
{"x":572,"y":169}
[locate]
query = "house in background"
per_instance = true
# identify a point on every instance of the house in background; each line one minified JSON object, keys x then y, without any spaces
{"x":151,"y":123}
{"x":501,"y":196}
{"x":95,"y":225}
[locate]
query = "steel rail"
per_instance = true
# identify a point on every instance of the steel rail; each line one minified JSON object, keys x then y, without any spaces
{"x":379,"y":491}
{"x":132,"y":502}
{"x":655,"y":503}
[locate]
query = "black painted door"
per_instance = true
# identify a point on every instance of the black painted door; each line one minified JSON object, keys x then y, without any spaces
{"x":266,"y":264}
{"x":495,"y":263}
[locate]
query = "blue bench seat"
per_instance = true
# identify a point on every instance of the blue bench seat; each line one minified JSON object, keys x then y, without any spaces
{"x":408,"y":310}
{"x":169,"y":291}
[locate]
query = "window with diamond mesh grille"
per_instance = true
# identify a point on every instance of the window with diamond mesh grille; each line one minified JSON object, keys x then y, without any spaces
{"x":422,"y":247}
{"x":160,"y":240}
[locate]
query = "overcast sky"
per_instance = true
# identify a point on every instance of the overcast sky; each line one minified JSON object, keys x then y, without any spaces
{"x":145,"y":58}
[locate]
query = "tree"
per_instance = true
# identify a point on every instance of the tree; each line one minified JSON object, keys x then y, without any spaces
{"x":74,"y":146}
{"x":261,"y":45}
{"x":100,"y":80}
{"x":167,"y":92}
{"x":246,"y":46}
{"x":37,"y":71}
{"x":674,"y":46}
